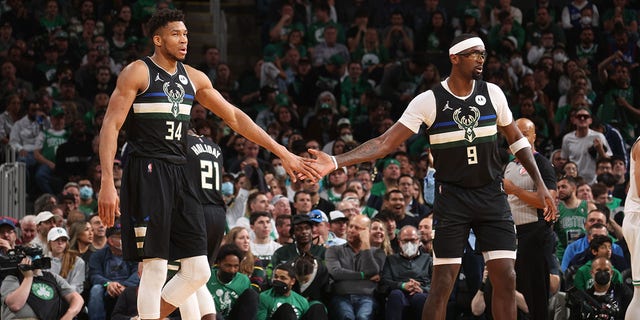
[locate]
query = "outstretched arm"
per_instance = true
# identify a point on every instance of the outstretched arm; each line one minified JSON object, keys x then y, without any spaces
{"x":132,"y":78}
{"x":369,"y":150}
{"x":241,"y":123}
{"x":525,"y":156}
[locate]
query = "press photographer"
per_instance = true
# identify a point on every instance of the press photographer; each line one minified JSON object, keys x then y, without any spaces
{"x":36,"y":294}
{"x":605,"y":300}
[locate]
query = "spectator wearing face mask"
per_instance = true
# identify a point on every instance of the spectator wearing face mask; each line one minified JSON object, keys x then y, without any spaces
{"x":406,"y":277}
{"x":280,"y":302}
{"x":88,"y":204}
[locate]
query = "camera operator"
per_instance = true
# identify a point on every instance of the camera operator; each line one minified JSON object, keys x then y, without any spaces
{"x":7,"y":235}
{"x":7,"y":239}
{"x":37,"y":294}
{"x":605,"y":300}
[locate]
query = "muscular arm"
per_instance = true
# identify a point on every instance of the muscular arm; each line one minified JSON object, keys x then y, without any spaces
{"x":75,"y":305}
{"x":370,"y":150}
{"x":132,"y":79}
{"x":241,"y":123}
{"x":525,"y":156}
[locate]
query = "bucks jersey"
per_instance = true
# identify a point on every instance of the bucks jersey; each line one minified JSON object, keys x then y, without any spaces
{"x":462,"y":131}
{"x":204,"y":169}
{"x":158,"y":121}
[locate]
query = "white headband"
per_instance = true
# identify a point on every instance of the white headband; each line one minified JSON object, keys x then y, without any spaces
{"x":466,"y":44}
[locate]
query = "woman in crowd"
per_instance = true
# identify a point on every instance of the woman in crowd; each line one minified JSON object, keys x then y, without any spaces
{"x":378,"y":238}
{"x":65,"y":262}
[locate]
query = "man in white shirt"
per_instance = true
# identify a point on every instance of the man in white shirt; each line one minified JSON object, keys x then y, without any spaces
{"x":262,"y":246}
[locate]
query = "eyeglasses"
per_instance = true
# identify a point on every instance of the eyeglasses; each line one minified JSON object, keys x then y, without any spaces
{"x":583,"y":116}
{"x":474,"y":54}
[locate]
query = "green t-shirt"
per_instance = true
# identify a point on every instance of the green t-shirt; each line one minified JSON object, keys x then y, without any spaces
{"x":52,"y":140}
{"x":570,"y":225}
{"x":225,"y":294}
{"x":583,"y":279}
{"x":269,"y":303}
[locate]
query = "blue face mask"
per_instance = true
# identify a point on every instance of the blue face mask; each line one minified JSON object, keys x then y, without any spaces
{"x":86,"y":192}
{"x":227,"y":188}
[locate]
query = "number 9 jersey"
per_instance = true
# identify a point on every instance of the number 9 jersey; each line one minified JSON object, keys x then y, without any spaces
{"x":157,"y":123}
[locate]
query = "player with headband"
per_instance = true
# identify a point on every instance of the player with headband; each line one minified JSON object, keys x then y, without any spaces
{"x":464,"y":115}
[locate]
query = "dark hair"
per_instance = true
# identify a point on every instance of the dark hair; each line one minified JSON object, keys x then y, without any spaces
{"x":280,"y":219}
{"x":597,"y":226}
{"x":597,"y":241}
{"x":571,"y":180}
{"x":304,"y":264}
{"x":162,"y":17}
{"x":598,"y":189}
{"x":229,"y":249}
{"x":385,"y":215}
{"x":387,"y":194}
{"x":604,"y":209}
{"x":461,"y":38}
{"x":258,"y":214}
{"x":286,"y":267}
{"x":607,"y":179}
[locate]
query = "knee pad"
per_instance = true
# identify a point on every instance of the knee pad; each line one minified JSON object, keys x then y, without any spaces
{"x":154,"y":274}
{"x":194,"y":273}
{"x":205,"y":301}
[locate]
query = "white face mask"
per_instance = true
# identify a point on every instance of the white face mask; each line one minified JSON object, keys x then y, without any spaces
{"x":585,"y":21}
{"x":409,"y":249}
{"x":516,"y":62}
{"x":347,"y":137}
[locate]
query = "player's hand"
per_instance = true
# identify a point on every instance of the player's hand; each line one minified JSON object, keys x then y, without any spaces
{"x":108,"y":205}
{"x":323,"y":164}
{"x":301,"y":166}
{"x":550,"y":209}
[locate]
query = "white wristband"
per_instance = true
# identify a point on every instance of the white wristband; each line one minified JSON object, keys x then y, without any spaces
{"x":519,"y":144}
{"x":335,"y":162}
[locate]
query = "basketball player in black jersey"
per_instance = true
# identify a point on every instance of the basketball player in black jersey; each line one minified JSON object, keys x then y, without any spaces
{"x":463,"y":115}
{"x":154,"y":95}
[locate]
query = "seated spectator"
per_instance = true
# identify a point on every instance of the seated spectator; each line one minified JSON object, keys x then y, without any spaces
{"x":605,"y":300}
{"x":338,"y":224}
{"x":600,"y":246}
{"x":406,"y":277}
{"x":44,"y":222}
{"x":425,"y":227}
{"x":312,"y":278}
{"x":109,"y":275}
{"x":301,"y":231}
{"x":379,"y":237}
{"x":19,"y":301}
{"x":355,"y":269}
{"x":99,"y":231}
{"x":64,"y":262}
{"x":229,"y":287}
{"x":389,"y":221}
{"x":280,"y":302}
{"x":395,"y":202}
{"x":595,"y":224}
{"x":262,"y":246}
{"x":249,"y":265}
{"x":283,"y":226}
{"x":322,"y":234}
{"x":28,"y":229}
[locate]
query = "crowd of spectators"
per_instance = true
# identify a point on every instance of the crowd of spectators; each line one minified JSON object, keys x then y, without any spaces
{"x":332,"y":74}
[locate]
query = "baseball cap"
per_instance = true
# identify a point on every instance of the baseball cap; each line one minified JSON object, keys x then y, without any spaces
{"x":7,"y":221}
{"x":344,"y":122}
{"x":300,"y":219}
{"x":57,"y":111}
{"x":317,"y":216}
{"x":336,"y":60}
{"x":43,"y":216}
{"x":116,"y":229}
{"x":56,"y":233}
{"x":389,"y":162}
{"x":336,"y":215}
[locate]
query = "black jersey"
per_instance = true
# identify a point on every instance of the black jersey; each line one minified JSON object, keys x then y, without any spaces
{"x":204,"y":169}
{"x":159,"y":118}
{"x":463,"y":138}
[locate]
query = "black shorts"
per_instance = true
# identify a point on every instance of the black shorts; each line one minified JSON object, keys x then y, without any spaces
{"x":215,"y":221}
{"x":485,"y":209}
{"x":161,"y":217}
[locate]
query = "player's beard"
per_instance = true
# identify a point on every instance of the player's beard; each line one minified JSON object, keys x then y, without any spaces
{"x":476,"y":75}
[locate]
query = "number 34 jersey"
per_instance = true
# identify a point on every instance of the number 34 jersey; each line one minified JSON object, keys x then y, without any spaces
{"x":204,"y":169}
{"x":157,"y":123}
{"x":462,"y":131}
